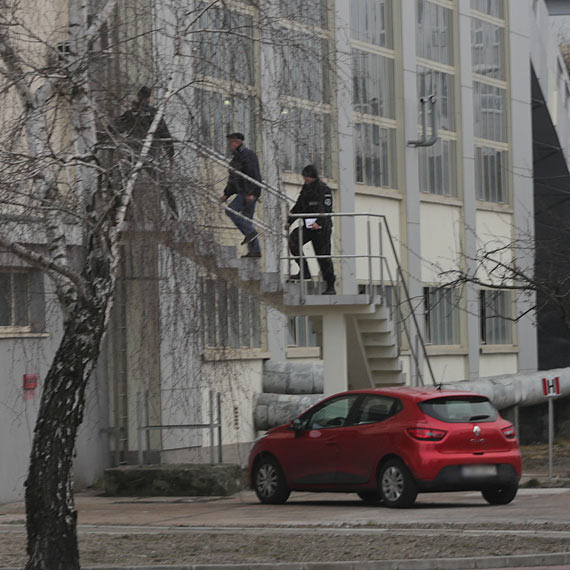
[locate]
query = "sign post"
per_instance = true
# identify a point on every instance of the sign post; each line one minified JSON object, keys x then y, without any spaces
{"x":551,"y":389}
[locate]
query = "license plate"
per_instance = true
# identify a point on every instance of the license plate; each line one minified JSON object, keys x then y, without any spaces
{"x":479,"y":470}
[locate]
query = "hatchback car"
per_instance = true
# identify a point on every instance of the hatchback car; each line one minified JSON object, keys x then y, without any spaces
{"x":389,"y":445}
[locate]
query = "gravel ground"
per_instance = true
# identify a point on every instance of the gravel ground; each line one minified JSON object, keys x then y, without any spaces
{"x":204,"y":547}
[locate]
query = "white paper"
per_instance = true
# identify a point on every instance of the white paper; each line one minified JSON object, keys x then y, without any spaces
{"x":310,"y":221}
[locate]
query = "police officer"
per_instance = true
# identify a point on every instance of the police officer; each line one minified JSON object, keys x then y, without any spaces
{"x":315,"y":198}
{"x":243,"y":160}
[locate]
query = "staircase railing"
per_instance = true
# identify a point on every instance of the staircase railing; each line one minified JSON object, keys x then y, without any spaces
{"x":372,"y":255}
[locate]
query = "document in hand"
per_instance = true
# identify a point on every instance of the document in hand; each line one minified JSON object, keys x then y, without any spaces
{"x":310,"y":221}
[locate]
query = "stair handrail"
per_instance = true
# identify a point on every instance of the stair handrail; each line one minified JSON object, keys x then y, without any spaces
{"x":222,"y":160}
{"x":370,"y":256}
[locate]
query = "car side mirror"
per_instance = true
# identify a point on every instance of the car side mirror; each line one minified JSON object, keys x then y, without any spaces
{"x":297,"y":425}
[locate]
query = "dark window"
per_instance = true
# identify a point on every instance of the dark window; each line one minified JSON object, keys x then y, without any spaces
{"x":14,"y":299}
{"x":377,"y":409}
{"x":334,"y":413}
{"x":460,"y":409}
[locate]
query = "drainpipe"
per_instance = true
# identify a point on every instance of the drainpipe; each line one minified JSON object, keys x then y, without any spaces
{"x":424,"y":141}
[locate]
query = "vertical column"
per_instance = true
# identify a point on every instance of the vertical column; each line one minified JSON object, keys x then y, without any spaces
{"x":334,"y":353}
{"x":464,"y":70}
{"x":522,"y":171}
{"x":345,"y":143}
{"x":411,"y":255}
{"x":273,"y":206}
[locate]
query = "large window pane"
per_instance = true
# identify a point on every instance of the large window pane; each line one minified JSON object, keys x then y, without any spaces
{"x":437,"y":168}
{"x":488,"y":49}
{"x":442,"y":315}
{"x":434,"y":32}
{"x":489,"y":111}
{"x":371,"y":21}
{"x":432,"y":82}
{"x":495,"y":317}
{"x":375,"y":155}
{"x":373,"y":84}
{"x":491,"y":177}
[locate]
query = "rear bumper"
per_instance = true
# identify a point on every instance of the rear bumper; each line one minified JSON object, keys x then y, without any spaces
{"x":451,"y":478}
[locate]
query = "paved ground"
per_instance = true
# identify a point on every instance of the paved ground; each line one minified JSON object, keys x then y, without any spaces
{"x":455,"y":527}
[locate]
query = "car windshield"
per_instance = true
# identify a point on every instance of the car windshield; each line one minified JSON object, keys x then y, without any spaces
{"x":460,"y":409}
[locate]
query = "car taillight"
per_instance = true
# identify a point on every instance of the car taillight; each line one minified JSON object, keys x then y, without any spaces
{"x":427,"y":434}
{"x":509,"y":432}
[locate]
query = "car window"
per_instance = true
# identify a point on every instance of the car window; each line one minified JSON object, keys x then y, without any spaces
{"x":460,"y":409}
{"x":377,"y":409}
{"x":332,"y":414}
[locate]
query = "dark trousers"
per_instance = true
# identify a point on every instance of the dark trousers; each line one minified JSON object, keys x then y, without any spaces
{"x":321,"y":240}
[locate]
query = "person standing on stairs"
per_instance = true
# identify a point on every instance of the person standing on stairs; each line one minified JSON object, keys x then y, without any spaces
{"x":315,"y":198}
{"x":134,"y":125}
{"x":244,"y":160}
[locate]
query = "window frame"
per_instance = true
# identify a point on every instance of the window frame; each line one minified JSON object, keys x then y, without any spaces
{"x":13,"y":327}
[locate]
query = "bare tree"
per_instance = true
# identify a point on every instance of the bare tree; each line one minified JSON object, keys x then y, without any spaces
{"x":70,"y":174}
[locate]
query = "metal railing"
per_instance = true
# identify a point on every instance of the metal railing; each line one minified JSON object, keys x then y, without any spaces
{"x":214,"y":426}
{"x":382,"y":276}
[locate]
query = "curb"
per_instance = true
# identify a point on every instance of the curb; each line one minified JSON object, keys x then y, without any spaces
{"x":519,"y":560}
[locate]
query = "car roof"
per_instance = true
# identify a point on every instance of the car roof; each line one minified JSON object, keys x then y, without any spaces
{"x":417,"y":394}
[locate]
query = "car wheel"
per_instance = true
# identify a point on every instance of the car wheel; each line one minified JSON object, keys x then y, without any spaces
{"x":269,"y":482}
{"x":397,"y":486}
{"x":370,"y":497}
{"x":501,"y":494}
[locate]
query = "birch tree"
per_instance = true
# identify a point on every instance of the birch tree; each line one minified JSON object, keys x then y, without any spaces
{"x":68,"y":177}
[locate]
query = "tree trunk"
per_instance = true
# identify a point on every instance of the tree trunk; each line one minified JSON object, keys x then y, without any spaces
{"x":51,"y":516}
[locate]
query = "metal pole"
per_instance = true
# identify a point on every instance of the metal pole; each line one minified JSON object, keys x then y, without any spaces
{"x":219,"y":401}
{"x":369,"y":239}
{"x":550,"y":434}
{"x":139,"y":430}
{"x":381,"y":250}
{"x":211,"y":427}
{"x":147,"y":423}
{"x":301,"y":264}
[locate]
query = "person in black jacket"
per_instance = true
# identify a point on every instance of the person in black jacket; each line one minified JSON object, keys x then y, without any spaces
{"x":315,"y":197}
{"x":244,"y":160}
{"x":134,"y":125}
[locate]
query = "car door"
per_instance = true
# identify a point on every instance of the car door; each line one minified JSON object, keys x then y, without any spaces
{"x":313,"y":453}
{"x":373,"y":432}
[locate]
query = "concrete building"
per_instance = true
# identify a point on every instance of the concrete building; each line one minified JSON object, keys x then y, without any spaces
{"x":343,"y":87}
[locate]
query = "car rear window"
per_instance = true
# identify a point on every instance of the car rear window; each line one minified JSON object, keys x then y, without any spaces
{"x":460,"y":409}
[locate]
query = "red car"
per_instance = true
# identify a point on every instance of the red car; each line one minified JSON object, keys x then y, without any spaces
{"x":389,"y":445}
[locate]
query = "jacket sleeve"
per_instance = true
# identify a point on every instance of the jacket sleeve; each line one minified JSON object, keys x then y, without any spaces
{"x":251,"y":168}
{"x":325,"y":206}
{"x":298,"y":208}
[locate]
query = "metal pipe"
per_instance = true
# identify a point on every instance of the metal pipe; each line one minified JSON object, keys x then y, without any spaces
{"x":219,"y":402}
{"x":211,"y":394}
{"x":139,"y":430}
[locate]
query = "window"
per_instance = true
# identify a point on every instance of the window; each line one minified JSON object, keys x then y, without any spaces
{"x":434,"y":26}
{"x":487,"y":49}
{"x":375,"y":409}
{"x":442,"y":315}
{"x":375,"y":155}
{"x":374,"y":101}
{"x":301,"y":332}
{"x":437,"y":168}
{"x":490,"y":97}
{"x":307,"y":12}
{"x":495,"y":8}
{"x":490,"y":112}
{"x":373,"y":78}
{"x":231,"y":316}
{"x":371,"y":22}
{"x":305,"y":138}
{"x":440,"y":84}
{"x":460,"y":409}
{"x":14,"y":299}
{"x":491,"y":180}
{"x":495,"y":317}
{"x":332,"y":414}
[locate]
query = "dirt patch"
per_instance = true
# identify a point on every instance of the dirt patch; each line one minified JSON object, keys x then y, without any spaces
{"x":193,"y":548}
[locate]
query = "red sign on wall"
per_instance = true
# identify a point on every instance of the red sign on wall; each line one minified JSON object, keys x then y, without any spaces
{"x":551,"y":386}
{"x":30,"y":385}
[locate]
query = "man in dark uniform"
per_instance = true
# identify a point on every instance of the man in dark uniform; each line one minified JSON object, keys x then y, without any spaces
{"x":243,"y":160}
{"x":134,"y":125}
{"x":315,"y":198}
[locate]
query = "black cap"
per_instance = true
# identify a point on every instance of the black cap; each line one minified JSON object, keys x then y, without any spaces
{"x":236,"y":136}
{"x":143,"y":93}
{"x":310,"y":171}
